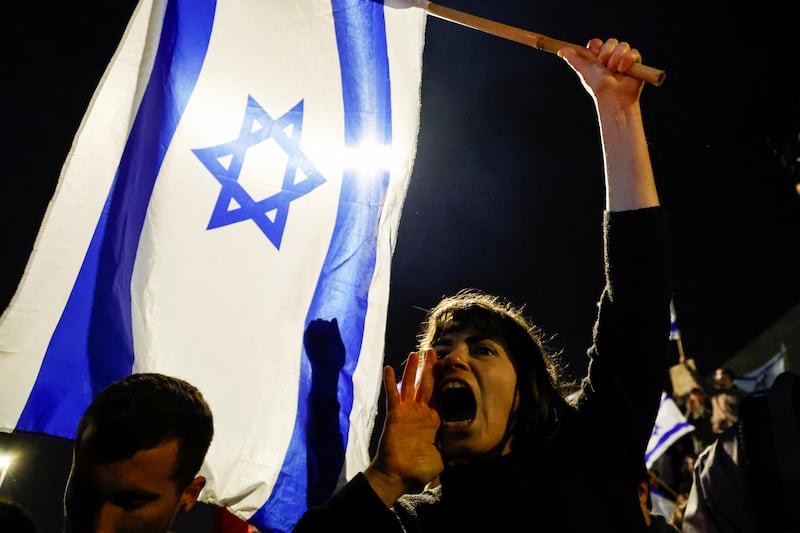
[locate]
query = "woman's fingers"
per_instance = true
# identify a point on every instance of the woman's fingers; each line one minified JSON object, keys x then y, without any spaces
{"x":626,"y":61}
{"x":426,"y":380}
{"x":417,"y":383}
{"x":595,"y":45}
{"x":390,"y":386}
{"x":615,"y":55}
{"x":407,"y":387}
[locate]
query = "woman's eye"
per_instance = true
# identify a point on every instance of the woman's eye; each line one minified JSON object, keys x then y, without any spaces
{"x":485,"y":350}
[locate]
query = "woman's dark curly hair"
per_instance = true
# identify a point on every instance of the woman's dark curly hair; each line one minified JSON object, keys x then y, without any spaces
{"x":539,"y":383}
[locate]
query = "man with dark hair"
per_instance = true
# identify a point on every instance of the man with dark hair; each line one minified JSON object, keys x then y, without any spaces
{"x":137,"y":452}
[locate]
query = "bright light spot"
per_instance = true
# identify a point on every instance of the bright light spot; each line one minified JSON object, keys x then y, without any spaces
{"x":5,"y":462}
{"x":367,"y":159}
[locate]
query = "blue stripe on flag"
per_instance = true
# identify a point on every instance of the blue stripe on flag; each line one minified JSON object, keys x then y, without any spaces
{"x":665,"y":438}
{"x":92,"y":343}
{"x":762,"y":377}
{"x":343,"y":287}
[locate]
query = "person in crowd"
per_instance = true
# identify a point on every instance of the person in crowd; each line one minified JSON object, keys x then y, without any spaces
{"x":138,"y":450}
{"x":686,"y":472}
{"x":698,"y":414}
{"x":677,"y":463}
{"x":725,"y":400}
{"x":656,"y":523}
{"x":680,"y":508}
{"x":748,"y":480}
{"x":478,"y":436}
{"x":15,"y":518}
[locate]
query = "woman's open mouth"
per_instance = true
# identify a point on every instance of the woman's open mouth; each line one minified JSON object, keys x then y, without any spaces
{"x":456,"y":404}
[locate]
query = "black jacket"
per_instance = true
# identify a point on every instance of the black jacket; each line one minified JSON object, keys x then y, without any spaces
{"x":586,"y":478}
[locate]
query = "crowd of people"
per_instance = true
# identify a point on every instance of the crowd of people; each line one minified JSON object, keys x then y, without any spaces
{"x":747,"y":480}
{"x":711,"y":407}
{"x":695,"y":468}
{"x":479,"y":434}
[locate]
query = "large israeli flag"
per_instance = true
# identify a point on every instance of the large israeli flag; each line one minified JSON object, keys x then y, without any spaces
{"x":227,"y":214}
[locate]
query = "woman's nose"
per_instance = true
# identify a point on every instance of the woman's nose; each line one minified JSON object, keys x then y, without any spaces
{"x":456,"y":358}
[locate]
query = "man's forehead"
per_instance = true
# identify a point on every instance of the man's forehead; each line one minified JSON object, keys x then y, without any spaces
{"x":147,"y":470}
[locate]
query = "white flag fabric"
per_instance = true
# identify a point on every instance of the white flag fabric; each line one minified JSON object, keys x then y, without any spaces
{"x":227,"y":215}
{"x":670,"y":425}
{"x":762,"y":377}
{"x":662,"y":503}
{"x":674,"y":330}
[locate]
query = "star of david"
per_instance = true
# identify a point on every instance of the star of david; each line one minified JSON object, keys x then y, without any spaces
{"x":225,"y":162}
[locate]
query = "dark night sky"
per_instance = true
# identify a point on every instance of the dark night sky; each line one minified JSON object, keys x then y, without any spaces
{"x":507,"y":187}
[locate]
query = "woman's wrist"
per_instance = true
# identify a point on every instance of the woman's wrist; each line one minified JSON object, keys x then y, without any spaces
{"x":388,"y":487}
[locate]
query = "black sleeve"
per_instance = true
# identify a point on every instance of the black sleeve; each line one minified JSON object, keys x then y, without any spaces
{"x":353,"y":508}
{"x":629,"y":356}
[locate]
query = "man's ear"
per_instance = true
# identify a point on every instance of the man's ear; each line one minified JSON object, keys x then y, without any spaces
{"x":191,"y":493}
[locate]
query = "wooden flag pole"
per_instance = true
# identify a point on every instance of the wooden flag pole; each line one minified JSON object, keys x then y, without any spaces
{"x":681,"y":355}
{"x":661,"y":483}
{"x":535,"y":40}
